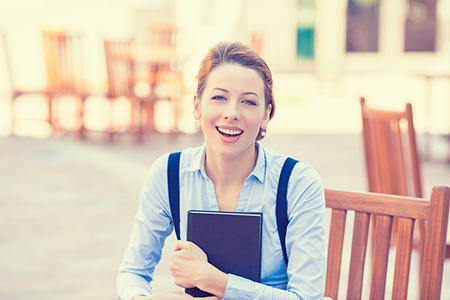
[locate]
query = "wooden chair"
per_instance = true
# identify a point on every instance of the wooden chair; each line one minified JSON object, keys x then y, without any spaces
{"x":121,"y":83}
{"x":161,"y":35}
{"x":62,"y":60}
{"x":165,"y":67}
{"x":434,"y":211}
{"x":392,"y":160}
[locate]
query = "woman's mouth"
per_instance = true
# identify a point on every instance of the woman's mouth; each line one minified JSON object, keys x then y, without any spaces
{"x":229,"y":132}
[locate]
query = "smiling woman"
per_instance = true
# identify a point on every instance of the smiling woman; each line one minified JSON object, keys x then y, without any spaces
{"x":231,"y":172}
{"x":232,"y":112}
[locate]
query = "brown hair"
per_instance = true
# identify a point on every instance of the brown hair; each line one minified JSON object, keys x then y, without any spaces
{"x":240,"y":54}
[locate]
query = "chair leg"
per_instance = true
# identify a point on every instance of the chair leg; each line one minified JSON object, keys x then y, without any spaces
{"x":50,"y":115}
{"x":150,"y":116}
{"x":80,"y":133}
{"x":110,"y":129}
{"x":136,"y":117}
{"x":139,"y":134}
{"x":13,"y":115}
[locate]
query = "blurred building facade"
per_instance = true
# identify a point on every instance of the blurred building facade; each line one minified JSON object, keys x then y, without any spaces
{"x":323,"y":36}
{"x":328,"y":37}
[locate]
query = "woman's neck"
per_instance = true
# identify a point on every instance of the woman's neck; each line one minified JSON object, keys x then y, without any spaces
{"x":223,"y":170}
{"x":228,"y":175}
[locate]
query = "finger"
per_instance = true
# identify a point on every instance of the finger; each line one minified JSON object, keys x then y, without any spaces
{"x":172,"y":267}
{"x":178,"y":257}
{"x":174,"y":256}
{"x":181,"y":245}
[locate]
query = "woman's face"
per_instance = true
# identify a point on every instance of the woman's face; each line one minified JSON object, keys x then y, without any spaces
{"x":232,"y":110}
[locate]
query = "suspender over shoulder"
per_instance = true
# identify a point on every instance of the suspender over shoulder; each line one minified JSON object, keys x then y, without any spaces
{"x":281,"y":209}
{"x":173,"y":179}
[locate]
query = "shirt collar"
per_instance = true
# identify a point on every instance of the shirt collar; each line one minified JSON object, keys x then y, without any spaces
{"x":197,"y":162}
{"x":260,"y":167}
{"x":259,"y":170}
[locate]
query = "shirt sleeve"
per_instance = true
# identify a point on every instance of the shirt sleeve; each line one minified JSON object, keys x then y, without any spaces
{"x":305,"y":245}
{"x":153,"y":224}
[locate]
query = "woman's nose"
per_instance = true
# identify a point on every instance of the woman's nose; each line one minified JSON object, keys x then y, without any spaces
{"x":231,"y":112}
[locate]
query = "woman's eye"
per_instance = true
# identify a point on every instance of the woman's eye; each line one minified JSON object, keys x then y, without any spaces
{"x":219,"y":98}
{"x":249,"y":102}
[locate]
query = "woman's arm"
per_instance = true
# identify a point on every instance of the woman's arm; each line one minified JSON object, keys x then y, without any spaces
{"x":152,"y":226}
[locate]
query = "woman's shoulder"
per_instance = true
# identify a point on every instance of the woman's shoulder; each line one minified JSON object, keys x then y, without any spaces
{"x":188,"y":155}
{"x":159,"y":167}
{"x":191,"y":155}
{"x":275,"y":162}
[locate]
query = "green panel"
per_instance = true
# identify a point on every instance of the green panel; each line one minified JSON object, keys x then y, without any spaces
{"x":305,"y":42}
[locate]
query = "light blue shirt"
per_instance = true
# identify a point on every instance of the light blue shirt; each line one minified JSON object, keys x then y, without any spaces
{"x":305,"y":237}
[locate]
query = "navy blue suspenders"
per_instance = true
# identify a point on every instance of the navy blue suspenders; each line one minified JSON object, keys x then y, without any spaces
{"x":173,"y":179}
{"x":281,"y":209}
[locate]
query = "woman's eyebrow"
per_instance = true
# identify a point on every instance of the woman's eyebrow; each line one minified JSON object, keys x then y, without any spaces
{"x":220,"y":89}
{"x":250,"y":93}
{"x":243,"y":94}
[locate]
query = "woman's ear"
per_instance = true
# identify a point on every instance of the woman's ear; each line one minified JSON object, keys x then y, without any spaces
{"x":197,"y":106}
{"x":266,"y":118}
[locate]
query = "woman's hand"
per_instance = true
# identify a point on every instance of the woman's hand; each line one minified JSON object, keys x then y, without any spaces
{"x":189,"y":264}
{"x":190,"y":268}
{"x":171,"y":295}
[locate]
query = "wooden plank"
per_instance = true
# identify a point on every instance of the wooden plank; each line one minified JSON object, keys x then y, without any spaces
{"x":380,"y":204}
{"x":403,"y":258}
{"x":435,"y":244}
{"x":380,"y":256}
{"x":358,"y":255}
{"x":335,"y":247}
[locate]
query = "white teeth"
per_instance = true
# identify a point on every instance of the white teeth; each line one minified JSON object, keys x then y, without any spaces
{"x":229,"y":132}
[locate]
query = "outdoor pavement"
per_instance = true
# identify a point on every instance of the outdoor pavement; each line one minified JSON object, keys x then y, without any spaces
{"x":67,"y":207}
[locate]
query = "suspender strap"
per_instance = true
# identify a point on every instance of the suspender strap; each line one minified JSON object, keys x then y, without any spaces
{"x":173,"y":180}
{"x":281,"y":209}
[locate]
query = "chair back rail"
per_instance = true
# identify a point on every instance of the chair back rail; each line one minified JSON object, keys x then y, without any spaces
{"x":392,"y":161}
{"x":119,"y":65}
{"x":161,"y":35}
{"x":63,"y":60}
{"x":386,"y":207}
{"x":9,"y":69}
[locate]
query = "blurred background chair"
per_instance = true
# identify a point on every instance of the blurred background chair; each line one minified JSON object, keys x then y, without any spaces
{"x":64,"y":77}
{"x":256,"y":41}
{"x":162,"y":35}
{"x":407,"y":210}
{"x":64,"y":69}
{"x":146,"y":73}
{"x":392,"y":159}
{"x":122,"y":84}
{"x":164,"y":65}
